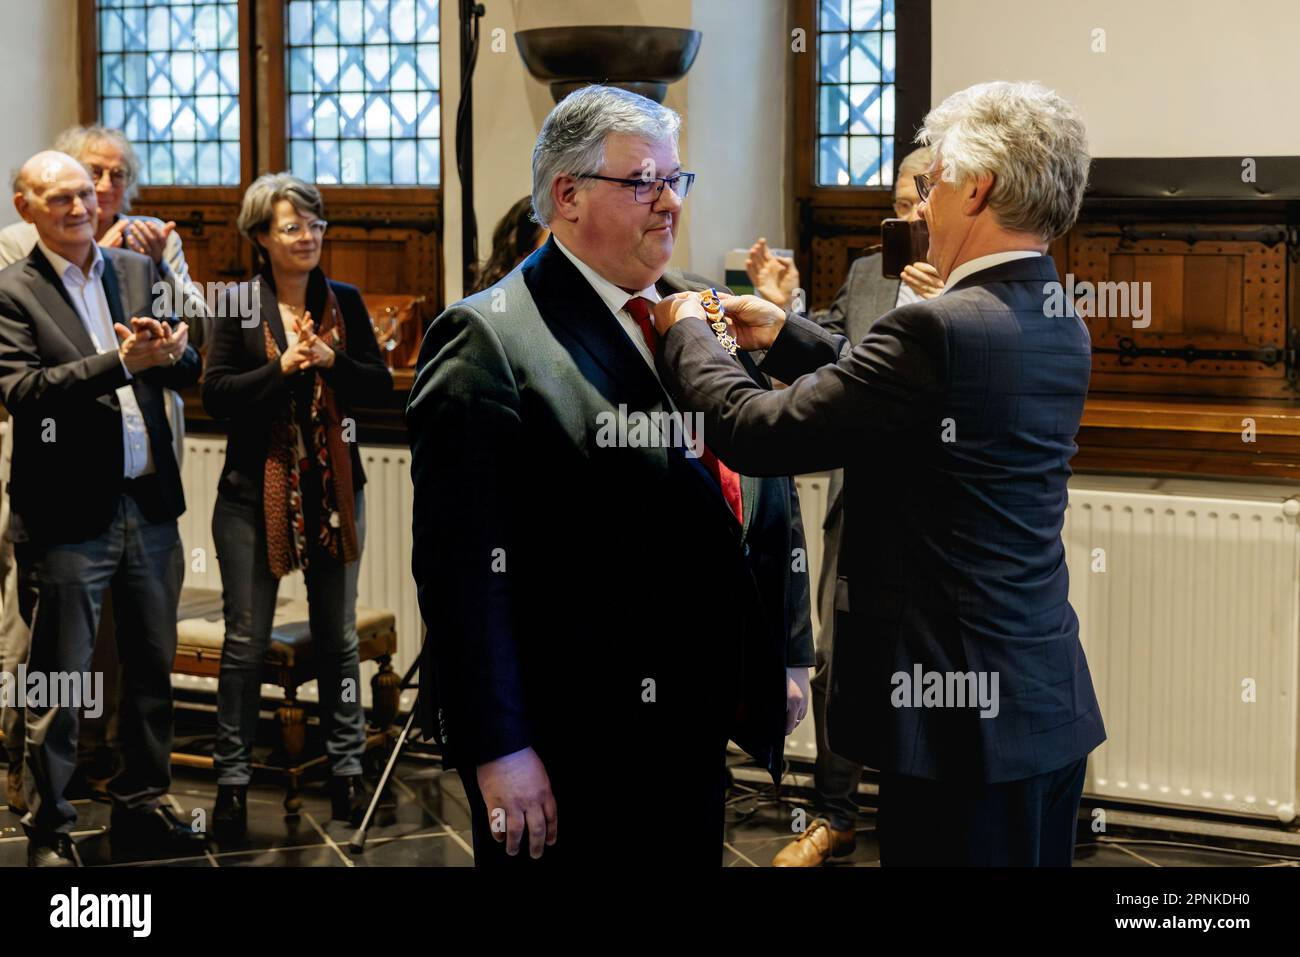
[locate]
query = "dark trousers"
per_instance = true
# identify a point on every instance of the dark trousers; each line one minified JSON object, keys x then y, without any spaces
{"x":248,"y":591}
{"x":615,"y":806}
{"x":835,"y":778}
{"x":142,"y":564}
{"x":1026,"y":823}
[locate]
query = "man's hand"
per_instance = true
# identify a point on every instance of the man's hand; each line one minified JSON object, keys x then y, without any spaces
{"x":518,"y":785}
{"x":144,"y":345}
{"x":175,"y":340}
{"x":924,"y":279}
{"x":797,"y":697}
{"x":674,"y":308}
{"x":754,"y":322}
{"x":148,"y":238}
{"x":113,"y":237}
{"x":775,"y":278}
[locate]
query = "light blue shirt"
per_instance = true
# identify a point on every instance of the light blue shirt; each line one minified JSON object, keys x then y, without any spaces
{"x":88,"y":298}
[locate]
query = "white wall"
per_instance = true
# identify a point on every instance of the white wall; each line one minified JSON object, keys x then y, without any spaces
{"x":1177,"y":78}
{"x":38,"y":99}
{"x":735,"y":92}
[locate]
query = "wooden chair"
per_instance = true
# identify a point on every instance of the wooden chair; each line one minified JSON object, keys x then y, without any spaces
{"x":200,"y":632}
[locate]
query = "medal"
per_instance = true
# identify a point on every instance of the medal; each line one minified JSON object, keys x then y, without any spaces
{"x":717,"y":321}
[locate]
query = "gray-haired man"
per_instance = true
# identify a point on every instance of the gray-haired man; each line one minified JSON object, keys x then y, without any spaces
{"x":582,"y":702}
{"x":957,"y":668}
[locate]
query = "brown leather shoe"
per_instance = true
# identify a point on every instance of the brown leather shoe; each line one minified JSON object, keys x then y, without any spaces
{"x":14,"y":790}
{"x":815,"y":846}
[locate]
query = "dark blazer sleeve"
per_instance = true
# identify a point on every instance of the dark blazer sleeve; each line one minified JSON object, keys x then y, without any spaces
{"x":185,"y":371}
{"x":359,"y":373}
{"x":464,"y":426}
{"x":799,"y":651}
{"x":27,"y":386}
{"x":839,"y":398}
{"x":237,"y":383}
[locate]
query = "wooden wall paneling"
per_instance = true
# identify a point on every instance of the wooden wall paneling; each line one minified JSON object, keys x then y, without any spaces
{"x":1209,"y":295}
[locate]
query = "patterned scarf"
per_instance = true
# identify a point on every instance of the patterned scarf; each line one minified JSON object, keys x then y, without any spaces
{"x":286,"y":526}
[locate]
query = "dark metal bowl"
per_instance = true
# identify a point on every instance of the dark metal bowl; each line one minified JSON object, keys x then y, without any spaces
{"x":642,"y":59}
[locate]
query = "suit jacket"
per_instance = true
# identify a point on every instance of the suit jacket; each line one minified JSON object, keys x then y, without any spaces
{"x":51,"y":376}
{"x":557,"y":575}
{"x":17,"y":240}
{"x":865,"y":296}
{"x":952,"y":549}
{"x":246,"y":390}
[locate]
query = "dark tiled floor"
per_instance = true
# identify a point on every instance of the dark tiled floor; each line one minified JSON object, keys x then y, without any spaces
{"x":426,"y":824}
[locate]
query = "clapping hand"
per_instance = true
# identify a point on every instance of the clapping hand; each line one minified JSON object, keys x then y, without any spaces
{"x":150,"y":343}
{"x":775,"y":278}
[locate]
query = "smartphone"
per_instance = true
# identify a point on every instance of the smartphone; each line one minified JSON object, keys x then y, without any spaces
{"x":902,"y":242}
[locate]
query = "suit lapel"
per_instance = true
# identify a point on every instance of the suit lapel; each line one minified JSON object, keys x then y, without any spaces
{"x":581,"y":320}
{"x":55,"y":299}
{"x":113,"y":282}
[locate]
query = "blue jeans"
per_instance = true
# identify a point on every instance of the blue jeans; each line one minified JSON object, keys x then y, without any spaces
{"x":142,"y":564}
{"x":248,"y":591}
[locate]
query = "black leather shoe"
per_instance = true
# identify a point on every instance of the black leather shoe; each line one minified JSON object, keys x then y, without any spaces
{"x":230,"y":815}
{"x":53,"y":851}
{"x":154,"y":831}
{"x":349,"y":799}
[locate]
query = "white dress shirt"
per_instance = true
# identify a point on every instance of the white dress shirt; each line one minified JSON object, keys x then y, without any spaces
{"x":985,"y":262}
{"x":88,"y":298}
{"x":616,"y":299}
{"x":906,"y":295}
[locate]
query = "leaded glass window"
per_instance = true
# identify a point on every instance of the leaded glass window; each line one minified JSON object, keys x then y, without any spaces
{"x":855,"y":93}
{"x":363,"y":86}
{"x":169,"y":79}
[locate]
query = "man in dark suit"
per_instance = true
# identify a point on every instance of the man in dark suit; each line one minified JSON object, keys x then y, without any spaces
{"x":584,"y":704}
{"x":94,"y":496}
{"x":865,"y":296}
{"x":957,"y":667}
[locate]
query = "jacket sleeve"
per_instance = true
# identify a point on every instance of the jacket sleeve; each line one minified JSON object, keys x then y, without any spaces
{"x":236,"y":383}
{"x":839,"y":398}
{"x":464,"y":425}
{"x":359,"y":373}
{"x":185,"y":371}
{"x":28,"y":386}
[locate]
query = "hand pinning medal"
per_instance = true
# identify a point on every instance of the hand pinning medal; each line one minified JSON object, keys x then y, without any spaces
{"x":717,"y":321}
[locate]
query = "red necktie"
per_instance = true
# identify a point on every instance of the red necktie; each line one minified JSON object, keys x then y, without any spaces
{"x":638,"y":308}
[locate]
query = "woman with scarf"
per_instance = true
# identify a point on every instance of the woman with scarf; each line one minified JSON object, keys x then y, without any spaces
{"x":284,"y":380}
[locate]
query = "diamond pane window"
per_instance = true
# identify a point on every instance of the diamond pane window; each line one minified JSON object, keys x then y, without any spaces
{"x":169,"y":79}
{"x":855,"y":93}
{"x":364,"y":103}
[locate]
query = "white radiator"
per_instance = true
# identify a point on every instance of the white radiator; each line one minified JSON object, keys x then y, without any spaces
{"x":1197,"y":611}
{"x":385,"y":580}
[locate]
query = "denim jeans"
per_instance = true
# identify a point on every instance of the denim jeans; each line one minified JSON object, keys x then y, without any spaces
{"x":249,"y":592}
{"x":142,"y":563}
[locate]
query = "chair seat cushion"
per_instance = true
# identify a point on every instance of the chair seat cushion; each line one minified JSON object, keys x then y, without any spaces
{"x":201,"y":628}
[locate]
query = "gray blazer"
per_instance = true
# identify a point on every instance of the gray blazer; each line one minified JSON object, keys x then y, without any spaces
{"x":16,"y":243}
{"x":865,"y":296}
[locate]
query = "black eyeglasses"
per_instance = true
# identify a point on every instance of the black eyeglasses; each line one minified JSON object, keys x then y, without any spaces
{"x":649,"y":190}
{"x":922,"y":181}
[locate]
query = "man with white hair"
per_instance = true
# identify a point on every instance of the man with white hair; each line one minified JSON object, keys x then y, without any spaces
{"x":584,"y":704}
{"x":957,"y":669}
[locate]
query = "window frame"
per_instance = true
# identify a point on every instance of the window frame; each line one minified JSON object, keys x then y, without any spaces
{"x":263,"y":114}
{"x":911,"y":102}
